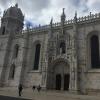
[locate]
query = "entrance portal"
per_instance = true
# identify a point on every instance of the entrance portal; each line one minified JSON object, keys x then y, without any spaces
{"x":58,"y":82}
{"x":66,"y":81}
{"x":59,"y":75}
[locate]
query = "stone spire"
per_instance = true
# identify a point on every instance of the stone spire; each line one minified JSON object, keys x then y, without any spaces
{"x":63,"y":16}
{"x":51,"y":31}
{"x":51,"y":22}
{"x":75,"y":18}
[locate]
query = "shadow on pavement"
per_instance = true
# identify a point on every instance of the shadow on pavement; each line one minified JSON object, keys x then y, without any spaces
{"x":12,"y":98}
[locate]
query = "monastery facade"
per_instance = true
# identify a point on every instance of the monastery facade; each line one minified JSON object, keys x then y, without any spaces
{"x":60,"y":56}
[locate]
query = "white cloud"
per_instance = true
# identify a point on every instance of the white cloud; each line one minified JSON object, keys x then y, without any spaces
{"x":41,"y":11}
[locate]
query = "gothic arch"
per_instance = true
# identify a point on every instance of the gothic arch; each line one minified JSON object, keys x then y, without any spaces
{"x":59,"y":60}
{"x":93,"y":48}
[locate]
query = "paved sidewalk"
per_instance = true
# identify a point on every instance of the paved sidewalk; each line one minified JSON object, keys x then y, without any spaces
{"x":46,"y":95}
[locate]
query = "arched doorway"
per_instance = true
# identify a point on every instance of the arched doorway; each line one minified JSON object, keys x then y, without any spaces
{"x":59,"y":75}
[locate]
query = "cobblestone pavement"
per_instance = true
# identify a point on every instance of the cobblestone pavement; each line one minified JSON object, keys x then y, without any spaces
{"x":46,"y":95}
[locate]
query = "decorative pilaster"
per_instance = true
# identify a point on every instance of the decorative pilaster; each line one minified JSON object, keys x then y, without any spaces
{"x":6,"y":59}
{"x":44,"y":62}
{"x":24,"y":54}
{"x":74,"y":62}
{"x":51,"y":54}
{"x":51,"y":42}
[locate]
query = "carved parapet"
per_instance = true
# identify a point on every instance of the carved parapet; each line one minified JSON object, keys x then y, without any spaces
{"x":85,"y":19}
{"x":89,"y":18}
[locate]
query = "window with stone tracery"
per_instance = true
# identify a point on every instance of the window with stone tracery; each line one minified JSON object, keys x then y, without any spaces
{"x":12,"y":72}
{"x":37,"y":57}
{"x":16,"y":49}
{"x":94,"y":44}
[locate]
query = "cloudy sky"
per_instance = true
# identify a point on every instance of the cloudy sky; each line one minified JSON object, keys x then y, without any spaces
{"x":41,"y":11}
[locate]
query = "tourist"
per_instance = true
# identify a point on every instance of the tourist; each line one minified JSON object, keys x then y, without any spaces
{"x":33,"y":87}
{"x":39,"y":88}
{"x":20,"y":88}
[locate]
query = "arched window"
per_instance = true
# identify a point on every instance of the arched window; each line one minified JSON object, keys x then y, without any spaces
{"x":3,"y":30}
{"x":16,"y":49}
{"x":62,"y":48}
{"x":95,"y":61}
{"x":12,"y":72}
{"x":37,"y":56}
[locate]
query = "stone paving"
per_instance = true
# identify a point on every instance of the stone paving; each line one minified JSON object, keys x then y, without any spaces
{"x":46,"y":95}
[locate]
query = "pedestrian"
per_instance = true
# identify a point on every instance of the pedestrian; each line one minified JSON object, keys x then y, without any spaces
{"x":20,"y":88}
{"x":39,"y":88}
{"x":33,"y":87}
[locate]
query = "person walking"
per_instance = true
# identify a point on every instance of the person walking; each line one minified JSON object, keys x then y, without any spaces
{"x":20,"y":88}
{"x":39,"y":88}
{"x":33,"y":87}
